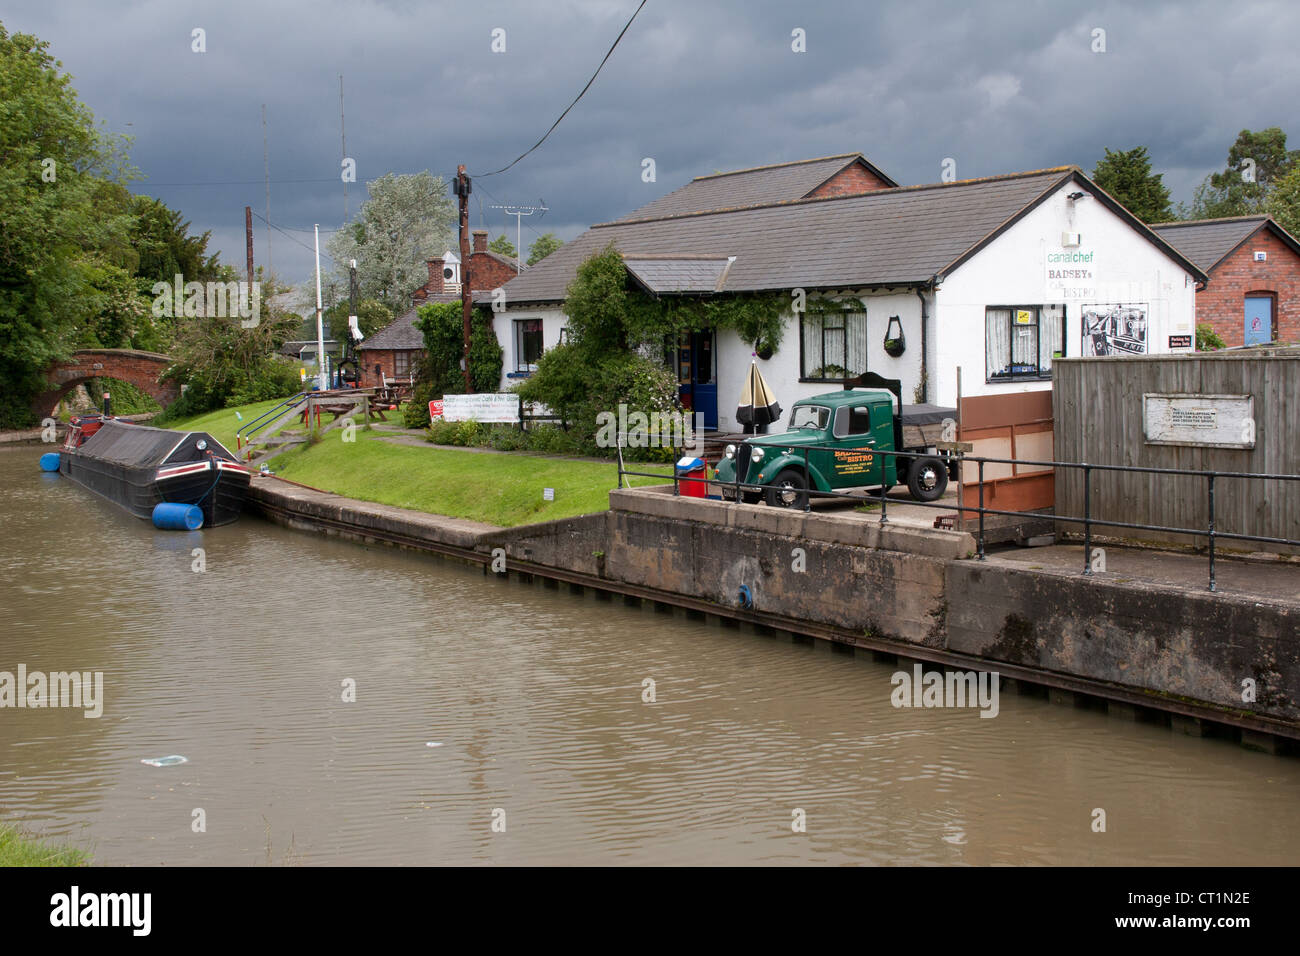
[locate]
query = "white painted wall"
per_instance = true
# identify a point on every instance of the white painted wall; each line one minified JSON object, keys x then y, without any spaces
{"x":782,"y":371}
{"x":503,"y":324}
{"x":1011,"y":270}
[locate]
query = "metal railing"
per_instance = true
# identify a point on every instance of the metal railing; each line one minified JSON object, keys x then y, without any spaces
{"x":244,"y":435}
{"x":1087,"y":519}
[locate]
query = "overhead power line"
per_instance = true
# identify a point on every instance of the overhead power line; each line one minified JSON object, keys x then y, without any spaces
{"x":571,"y":105}
{"x":235,"y":182}
{"x":286,"y":235}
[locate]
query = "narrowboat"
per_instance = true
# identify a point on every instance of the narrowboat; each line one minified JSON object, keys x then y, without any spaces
{"x":140,"y":467}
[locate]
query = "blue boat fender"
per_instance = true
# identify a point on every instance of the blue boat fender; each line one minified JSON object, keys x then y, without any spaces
{"x":171,"y":516}
{"x":50,"y":461}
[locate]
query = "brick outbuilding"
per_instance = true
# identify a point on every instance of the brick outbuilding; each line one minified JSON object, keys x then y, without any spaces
{"x":1253,"y":294}
{"x":393,"y":354}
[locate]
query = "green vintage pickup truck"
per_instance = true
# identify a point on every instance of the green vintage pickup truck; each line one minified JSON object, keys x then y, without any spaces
{"x":843,"y":433}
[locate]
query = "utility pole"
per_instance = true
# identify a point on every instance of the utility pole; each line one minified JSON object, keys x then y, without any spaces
{"x":320,"y":324}
{"x":343,"y":129}
{"x":462,"y":187}
{"x":519,"y":212}
{"x":266,"y":162}
{"x":248,"y":231}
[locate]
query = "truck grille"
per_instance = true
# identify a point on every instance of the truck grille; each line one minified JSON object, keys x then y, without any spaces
{"x":743,"y":451}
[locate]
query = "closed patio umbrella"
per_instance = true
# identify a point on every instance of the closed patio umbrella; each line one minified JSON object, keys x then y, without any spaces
{"x":757,"y":406}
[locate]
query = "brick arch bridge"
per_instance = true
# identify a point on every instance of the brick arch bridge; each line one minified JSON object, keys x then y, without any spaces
{"x":140,"y":369}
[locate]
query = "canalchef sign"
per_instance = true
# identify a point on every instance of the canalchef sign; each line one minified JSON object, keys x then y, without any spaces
{"x":487,"y":407}
{"x":1209,"y":421}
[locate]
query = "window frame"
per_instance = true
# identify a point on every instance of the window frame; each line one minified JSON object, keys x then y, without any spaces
{"x":522,"y":365}
{"x":1011,"y":310}
{"x":403,"y":357}
{"x":849,"y":309}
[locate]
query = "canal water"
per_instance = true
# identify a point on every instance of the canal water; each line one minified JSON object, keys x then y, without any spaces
{"x":535,"y":699}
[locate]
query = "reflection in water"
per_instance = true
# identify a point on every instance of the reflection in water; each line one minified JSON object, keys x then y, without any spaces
{"x":535,"y":696}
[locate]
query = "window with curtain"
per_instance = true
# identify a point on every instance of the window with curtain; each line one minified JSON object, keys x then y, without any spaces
{"x":1020,"y":341}
{"x":528,"y":344}
{"x":833,"y":345}
{"x":402,"y":364}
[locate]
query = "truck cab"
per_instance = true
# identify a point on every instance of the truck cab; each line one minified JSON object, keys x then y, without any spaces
{"x":833,"y":443}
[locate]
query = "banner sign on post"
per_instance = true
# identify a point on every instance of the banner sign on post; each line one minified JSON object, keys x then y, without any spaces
{"x":488,"y":407}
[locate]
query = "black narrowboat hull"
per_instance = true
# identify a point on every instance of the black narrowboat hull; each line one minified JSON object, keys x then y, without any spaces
{"x":140,"y":467}
{"x":215,"y":486}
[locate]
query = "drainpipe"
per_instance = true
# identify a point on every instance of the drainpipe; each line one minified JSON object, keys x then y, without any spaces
{"x":925,"y":376}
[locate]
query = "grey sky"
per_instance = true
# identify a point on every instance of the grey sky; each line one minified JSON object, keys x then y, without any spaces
{"x":699,"y":86}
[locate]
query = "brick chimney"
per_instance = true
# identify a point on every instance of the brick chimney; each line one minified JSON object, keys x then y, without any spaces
{"x":480,"y":240}
{"x":434,"y":286}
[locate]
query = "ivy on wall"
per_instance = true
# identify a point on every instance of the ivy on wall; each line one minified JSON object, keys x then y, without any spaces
{"x":606,"y":313}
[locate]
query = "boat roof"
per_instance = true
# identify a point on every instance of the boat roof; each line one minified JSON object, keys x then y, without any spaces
{"x":141,"y":445}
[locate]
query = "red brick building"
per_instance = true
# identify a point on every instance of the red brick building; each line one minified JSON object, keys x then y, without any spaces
{"x":1253,"y":295}
{"x":394,"y":353}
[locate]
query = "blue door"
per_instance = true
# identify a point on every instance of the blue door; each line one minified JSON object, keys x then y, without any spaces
{"x":1259,"y":320}
{"x":697,"y":383}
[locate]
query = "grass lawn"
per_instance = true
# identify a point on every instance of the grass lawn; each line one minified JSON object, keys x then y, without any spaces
{"x":500,"y":489}
{"x":17,"y":849}
{"x":223,"y":424}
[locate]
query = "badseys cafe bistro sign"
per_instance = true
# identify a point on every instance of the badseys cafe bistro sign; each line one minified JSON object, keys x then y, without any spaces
{"x":1071,"y":273}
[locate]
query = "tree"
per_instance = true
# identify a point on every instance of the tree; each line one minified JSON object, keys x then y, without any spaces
{"x":1127,"y":176}
{"x":53,"y":164}
{"x":406,"y":220}
{"x":542,"y":247}
{"x":372,"y":315}
{"x":1256,"y":162}
{"x":503,"y":246}
{"x":1284,"y":201}
{"x":225,"y":363}
{"x":442,"y":325}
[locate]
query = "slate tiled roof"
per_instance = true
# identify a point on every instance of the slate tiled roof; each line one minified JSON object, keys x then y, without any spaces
{"x":888,"y":237}
{"x":784,"y":182}
{"x":1207,"y":241}
{"x":401,"y":333}
{"x":681,"y":274}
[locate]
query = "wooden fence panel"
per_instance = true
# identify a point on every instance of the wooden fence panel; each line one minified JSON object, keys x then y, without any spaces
{"x":1099,"y":419}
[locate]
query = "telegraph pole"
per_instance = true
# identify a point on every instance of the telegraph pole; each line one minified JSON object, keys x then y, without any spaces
{"x":248,"y":232}
{"x":519,"y":212}
{"x":462,"y":187}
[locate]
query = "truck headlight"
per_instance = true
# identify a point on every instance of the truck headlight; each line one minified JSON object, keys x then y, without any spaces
{"x":730,"y":451}
{"x":757,"y":456}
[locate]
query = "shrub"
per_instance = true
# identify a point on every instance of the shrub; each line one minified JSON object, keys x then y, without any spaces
{"x":441,"y":433}
{"x":415,"y":413}
{"x":506,"y":438}
{"x":1207,"y":340}
{"x":442,"y":326}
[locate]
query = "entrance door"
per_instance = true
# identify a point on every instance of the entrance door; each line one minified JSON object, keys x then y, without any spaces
{"x":697,"y":376}
{"x":1259,"y":320}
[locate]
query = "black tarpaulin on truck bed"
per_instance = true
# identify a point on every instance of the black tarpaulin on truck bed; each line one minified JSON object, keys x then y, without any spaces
{"x":926,"y":414}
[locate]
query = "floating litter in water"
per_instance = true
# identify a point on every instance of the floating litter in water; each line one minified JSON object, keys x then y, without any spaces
{"x":169,"y":761}
{"x":433,"y":743}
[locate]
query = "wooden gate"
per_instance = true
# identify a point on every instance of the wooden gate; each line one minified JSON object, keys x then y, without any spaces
{"x":1011,"y":426}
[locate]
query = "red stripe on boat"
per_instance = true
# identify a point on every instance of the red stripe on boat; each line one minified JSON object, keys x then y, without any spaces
{"x":181,"y":470}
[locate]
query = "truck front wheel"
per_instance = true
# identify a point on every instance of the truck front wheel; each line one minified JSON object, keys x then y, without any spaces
{"x":790,"y":490}
{"x":927,"y":479}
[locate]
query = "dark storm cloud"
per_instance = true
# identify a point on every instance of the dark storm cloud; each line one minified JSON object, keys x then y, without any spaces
{"x":696,"y":86}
